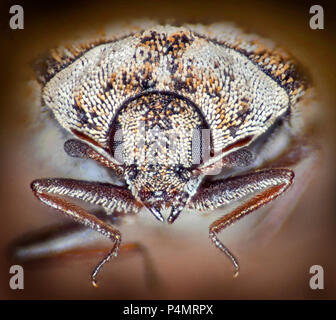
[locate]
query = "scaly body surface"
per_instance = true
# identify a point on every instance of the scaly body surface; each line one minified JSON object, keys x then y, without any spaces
{"x":184,"y":116}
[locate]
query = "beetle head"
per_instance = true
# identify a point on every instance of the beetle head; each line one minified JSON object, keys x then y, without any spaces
{"x":154,"y":136}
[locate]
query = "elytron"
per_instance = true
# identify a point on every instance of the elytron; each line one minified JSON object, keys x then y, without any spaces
{"x":120,"y":100}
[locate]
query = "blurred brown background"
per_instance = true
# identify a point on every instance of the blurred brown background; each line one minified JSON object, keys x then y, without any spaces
{"x":190,"y":268}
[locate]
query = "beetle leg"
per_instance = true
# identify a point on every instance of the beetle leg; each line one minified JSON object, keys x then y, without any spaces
{"x":264,"y":186}
{"x":71,"y":241}
{"x":78,"y":149}
{"x":108,"y":196}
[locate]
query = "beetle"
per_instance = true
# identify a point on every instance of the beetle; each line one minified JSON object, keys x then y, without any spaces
{"x":185,"y":116}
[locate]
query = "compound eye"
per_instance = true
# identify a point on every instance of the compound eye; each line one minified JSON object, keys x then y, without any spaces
{"x":182,"y":172}
{"x":132,"y":172}
{"x":116,"y":142}
{"x":202,"y":145}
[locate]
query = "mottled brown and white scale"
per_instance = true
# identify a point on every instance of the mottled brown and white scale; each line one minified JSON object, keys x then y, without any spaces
{"x":123,"y":98}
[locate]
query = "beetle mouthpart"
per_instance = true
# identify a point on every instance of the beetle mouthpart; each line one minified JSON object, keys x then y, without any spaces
{"x":174,"y":214}
{"x":156,"y":212}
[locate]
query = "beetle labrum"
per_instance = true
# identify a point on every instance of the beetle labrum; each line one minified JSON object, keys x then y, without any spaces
{"x":121,"y":100}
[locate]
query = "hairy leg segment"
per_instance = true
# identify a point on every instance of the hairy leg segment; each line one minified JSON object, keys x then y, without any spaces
{"x":262,"y":187}
{"x":108,"y":196}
